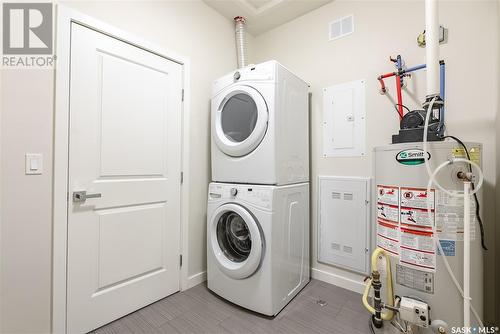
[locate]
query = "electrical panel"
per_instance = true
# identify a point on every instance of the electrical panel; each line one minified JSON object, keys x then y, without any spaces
{"x":343,"y":222}
{"x":344,"y":130}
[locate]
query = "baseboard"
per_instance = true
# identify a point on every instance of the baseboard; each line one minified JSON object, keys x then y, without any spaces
{"x":337,"y":280}
{"x":318,"y":274}
{"x":196,"y":279}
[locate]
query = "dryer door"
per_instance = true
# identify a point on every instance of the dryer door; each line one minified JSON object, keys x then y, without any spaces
{"x":239,"y":121}
{"x":236,"y":241}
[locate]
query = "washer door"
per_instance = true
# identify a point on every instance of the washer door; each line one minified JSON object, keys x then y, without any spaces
{"x":240,"y":121}
{"x":236,"y":241}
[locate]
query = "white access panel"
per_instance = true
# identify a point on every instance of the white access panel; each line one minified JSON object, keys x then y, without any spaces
{"x":344,"y":120}
{"x":344,"y":222}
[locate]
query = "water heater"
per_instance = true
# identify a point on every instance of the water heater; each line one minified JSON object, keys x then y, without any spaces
{"x":403,"y":229}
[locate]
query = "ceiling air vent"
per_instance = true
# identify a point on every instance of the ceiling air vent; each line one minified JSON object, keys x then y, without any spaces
{"x":341,"y":27}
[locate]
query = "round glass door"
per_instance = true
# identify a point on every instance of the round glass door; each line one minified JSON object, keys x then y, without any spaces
{"x":238,"y":117}
{"x":236,"y":241}
{"x":240,"y":121}
{"x":234,"y":237}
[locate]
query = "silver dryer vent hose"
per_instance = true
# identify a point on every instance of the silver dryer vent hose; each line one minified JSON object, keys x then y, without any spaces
{"x":241,"y":41}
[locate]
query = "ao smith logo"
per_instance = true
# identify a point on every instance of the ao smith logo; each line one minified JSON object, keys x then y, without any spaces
{"x":412,"y":157}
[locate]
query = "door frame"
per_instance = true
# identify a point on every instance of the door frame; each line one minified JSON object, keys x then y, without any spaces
{"x":65,"y":17}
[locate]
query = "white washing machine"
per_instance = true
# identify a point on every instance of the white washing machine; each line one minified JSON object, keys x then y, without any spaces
{"x":258,"y":244}
{"x":260,"y":126}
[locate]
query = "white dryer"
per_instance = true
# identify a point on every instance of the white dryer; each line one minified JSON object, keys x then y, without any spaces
{"x":260,"y":123}
{"x":258,"y":244}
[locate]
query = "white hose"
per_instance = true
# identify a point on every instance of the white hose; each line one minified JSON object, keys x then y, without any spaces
{"x":436,"y":237}
{"x":432,"y":179}
{"x":427,"y":166}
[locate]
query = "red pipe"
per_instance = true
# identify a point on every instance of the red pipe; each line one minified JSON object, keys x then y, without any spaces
{"x":400,"y":98}
{"x":381,"y":80}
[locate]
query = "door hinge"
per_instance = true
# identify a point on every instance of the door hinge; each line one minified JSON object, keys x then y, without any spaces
{"x":182,"y":177}
{"x":180,"y":260}
{"x":182,"y":94}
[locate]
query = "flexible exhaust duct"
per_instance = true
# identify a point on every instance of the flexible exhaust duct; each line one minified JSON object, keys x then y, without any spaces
{"x":241,"y":41}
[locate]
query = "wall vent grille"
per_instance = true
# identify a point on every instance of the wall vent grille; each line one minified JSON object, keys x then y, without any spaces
{"x":336,"y":195}
{"x":348,"y":196}
{"x":335,"y":246}
{"x":341,"y":27}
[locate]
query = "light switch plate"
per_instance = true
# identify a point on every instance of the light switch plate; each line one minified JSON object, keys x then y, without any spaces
{"x":34,"y":164}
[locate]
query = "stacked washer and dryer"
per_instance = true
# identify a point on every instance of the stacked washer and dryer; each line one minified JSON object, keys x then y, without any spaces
{"x":258,"y":202}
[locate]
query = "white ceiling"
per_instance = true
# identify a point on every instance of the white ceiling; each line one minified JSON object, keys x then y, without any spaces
{"x":263,"y":15}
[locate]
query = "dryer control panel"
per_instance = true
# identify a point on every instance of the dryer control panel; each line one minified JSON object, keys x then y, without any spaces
{"x":252,"y":73}
{"x":260,"y":196}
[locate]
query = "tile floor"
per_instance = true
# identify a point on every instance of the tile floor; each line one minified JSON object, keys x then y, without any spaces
{"x":198,"y":310}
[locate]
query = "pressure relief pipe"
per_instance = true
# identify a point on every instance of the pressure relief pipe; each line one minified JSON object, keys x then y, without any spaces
{"x":432,"y":47}
{"x":241,"y":41}
{"x":467,"y":297}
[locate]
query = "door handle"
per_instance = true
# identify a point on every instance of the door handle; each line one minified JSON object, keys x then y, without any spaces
{"x":81,"y":196}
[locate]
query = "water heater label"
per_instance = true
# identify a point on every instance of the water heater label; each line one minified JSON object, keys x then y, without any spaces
{"x":415,"y":279}
{"x":448,"y":247}
{"x":474,"y":153}
{"x":412,"y":157}
{"x":450,"y":217}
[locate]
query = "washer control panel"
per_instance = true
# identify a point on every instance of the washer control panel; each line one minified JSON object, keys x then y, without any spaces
{"x":260,"y":196}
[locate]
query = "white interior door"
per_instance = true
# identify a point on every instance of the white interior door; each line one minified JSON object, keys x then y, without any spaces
{"x":125,"y":130}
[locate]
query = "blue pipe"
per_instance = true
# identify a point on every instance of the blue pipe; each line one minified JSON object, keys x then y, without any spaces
{"x":441,"y":88}
{"x":415,"y":68}
{"x":399,"y":64}
{"x":441,"y":94}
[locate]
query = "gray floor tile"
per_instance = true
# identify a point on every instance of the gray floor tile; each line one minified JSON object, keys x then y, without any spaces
{"x":198,"y":310}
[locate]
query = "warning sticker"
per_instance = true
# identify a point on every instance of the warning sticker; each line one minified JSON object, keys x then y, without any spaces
{"x":391,"y":246}
{"x":450,"y":217}
{"x":404,"y":227}
{"x":416,"y":198}
{"x":417,"y":217}
{"x":417,"y":249}
{"x":388,"y":195}
{"x":417,"y":240}
{"x":416,"y":259}
{"x":388,"y":212}
{"x":388,"y":230}
{"x":474,"y":153}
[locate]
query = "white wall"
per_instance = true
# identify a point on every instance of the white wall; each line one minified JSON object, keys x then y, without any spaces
{"x":383,"y":29}
{"x":189,"y":28}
